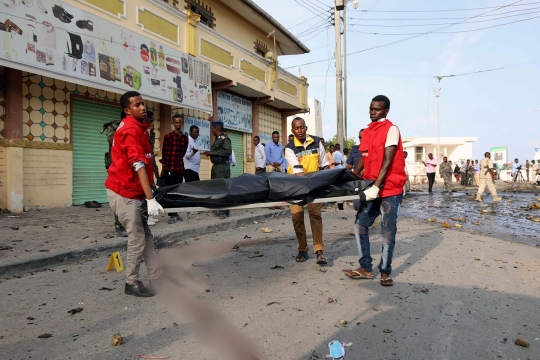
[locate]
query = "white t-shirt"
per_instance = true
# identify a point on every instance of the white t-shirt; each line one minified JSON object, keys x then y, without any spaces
{"x":392,"y":138}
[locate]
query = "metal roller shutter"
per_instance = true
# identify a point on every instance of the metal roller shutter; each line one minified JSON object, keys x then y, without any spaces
{"x":237,"y":141}
{"x":89,"y":147}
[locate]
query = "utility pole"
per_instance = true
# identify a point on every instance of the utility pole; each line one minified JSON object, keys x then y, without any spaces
{"x":345,"y":73}
{"x":437,"y":97}
{"x":339,"y":76}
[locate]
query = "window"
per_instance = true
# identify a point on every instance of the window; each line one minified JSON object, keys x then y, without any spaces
{"x":198,"y":7}
{"x":418,"y":153}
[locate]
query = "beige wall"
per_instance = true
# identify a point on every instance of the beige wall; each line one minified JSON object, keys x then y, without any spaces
{"x":3,"y":194}
{"x":47,"y":177}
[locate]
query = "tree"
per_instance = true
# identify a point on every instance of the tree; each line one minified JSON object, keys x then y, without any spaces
{"x":350,"y":143}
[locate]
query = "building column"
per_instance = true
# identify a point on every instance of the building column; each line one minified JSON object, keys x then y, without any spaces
{"x":284,"y":128}
{"x":255,"y":122}
{"x":214,"y":116}
{"x":13,"y":121}
{"x":193,"y":20}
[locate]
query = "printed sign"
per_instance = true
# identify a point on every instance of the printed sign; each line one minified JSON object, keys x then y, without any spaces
{"x":63,"y":39}
{"x":203,"y":141}
{"x":235,"y":112}
{"x":499,"y":155}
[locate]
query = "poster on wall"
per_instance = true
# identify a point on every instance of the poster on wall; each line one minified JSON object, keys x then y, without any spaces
{"x":235,"y":112}
{"x":499,"y":155}
{"x":62,"y":39}
{"x":203,"y":141}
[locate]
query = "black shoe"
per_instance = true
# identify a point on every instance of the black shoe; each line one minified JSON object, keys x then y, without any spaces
{"x":137,"y":289}
{"x":121,"y":232}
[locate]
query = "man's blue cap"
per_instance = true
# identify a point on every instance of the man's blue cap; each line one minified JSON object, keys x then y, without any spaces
{"x":217,"y":123}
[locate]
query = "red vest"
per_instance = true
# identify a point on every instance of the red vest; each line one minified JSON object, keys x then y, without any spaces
{"x":372,"y":149}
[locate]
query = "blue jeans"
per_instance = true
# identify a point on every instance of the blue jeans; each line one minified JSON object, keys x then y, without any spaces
{"x":388,"y":208}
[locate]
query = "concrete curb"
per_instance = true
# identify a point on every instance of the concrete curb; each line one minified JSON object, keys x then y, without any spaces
{"x":9,"y":267}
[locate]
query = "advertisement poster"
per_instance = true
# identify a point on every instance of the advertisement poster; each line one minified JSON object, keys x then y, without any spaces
{"x":499,"y":155}
{"x":235,"y":112}
{"x":62,"y":39}
{"x":203,"y":141}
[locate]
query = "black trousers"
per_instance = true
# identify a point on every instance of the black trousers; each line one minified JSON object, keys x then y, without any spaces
{"x":191,"y":175}
{"x":431,"y":180}
{"x":173,"y":179}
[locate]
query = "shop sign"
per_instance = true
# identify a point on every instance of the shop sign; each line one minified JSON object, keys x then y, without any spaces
{"x":60,"y":40}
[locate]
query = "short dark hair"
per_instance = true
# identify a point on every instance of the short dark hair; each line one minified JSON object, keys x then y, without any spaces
{"x":125,"y":100}
{"x":149,"y":113}
{"x":177,"y":115}
{"x":337,"y":145}
{"x":487,"y":153}
{"x":405,"y":152}
{"x":291,"y":135}
{"x":298,"y":118}
{"x":384,"y":99}
{"x":275,"y":132}
{"x":193,"y":127}
{"x":256,"y":137}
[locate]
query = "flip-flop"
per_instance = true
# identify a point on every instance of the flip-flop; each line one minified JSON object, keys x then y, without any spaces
{"x":387,"y":282}
{"x":321,"y":260}
{"x":355,"y":274}
{"x":302,"y":257}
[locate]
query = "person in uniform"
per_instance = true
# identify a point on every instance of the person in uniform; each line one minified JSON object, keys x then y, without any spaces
{"x":487,"y":178}
{"x":445,"y":170}
{"x":219,"y":156}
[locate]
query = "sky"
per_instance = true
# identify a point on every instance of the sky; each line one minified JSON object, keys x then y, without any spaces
{"x":494,"y":106}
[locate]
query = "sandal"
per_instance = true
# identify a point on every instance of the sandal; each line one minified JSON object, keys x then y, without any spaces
{"x":302,"y":257}
{"x":387,"y":281}
{"x":321,"y":260}
{"x":358,"y":274}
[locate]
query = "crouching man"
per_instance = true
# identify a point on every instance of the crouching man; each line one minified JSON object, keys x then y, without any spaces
{"x":128,"y":184}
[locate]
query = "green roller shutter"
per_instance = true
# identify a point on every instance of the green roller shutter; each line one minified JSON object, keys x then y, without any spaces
{"x":237,"y":141}
{"x":89,"y":147}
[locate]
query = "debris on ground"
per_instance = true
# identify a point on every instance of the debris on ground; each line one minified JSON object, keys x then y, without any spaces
{"x":152,"y":357}
{"x":14,"y":228}
{"x":256,"y":252}
{"x":532,"y":218}
{"x":235,"y":248}
{"x":75,"y":311}
{"x":337,"y":350}
{"x":332,"y":300}
{"x":247,"y":237}
{"x":256,"y":256}
{"x":522,"y":343}
{"x":117,"y":339}
{"x":420,"y":289}
{"x":273,"y":303}
{"x":45,"y":336}
{"x":342,"y":323}
{"x":266,"y":230}
{"x":535,"y":206}
{"x":476,"y":223}
{"x":106,"y":289}
{"x":458,"y":225}
{"x":323,"y":270}
{"x":462,"y":219}
{"x":432,"y":220}
{"x":446,"y":225}
{"x":277,"y":267}
{"x":5,"y":247}
{"x":387,"y":331}
{"x":65,"y":270}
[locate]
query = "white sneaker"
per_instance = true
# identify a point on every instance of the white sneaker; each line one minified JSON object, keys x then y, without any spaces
{"x":151,"y":221}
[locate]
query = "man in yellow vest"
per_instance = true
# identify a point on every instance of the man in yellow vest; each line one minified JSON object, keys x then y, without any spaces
{"x":305,"y":154}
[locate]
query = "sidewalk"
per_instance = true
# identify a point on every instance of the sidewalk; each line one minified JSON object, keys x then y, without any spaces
{"x":41,"y":238}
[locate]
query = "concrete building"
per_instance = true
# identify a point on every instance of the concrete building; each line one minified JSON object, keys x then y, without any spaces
{"x":313,"y":118}
{"x":64,"y":66}
{"x":457,"y":149}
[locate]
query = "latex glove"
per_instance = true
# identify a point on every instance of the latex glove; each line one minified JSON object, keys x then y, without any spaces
{"x":154,"y":208}
{"x":372,"y":193}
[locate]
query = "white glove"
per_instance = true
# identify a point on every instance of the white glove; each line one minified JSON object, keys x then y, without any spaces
{"x":154,"y":208}
{"x":372,"y":193}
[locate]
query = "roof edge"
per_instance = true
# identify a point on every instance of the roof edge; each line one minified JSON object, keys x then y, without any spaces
{"x":274,"y":22}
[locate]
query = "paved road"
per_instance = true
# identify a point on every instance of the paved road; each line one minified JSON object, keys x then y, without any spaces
{"x":458,"y":295}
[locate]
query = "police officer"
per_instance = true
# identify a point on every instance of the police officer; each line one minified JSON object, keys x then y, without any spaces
{"x":219,"y":155}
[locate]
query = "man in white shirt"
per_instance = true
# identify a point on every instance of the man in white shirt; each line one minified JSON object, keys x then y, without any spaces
{"x":338,"y":157}
{"x":192,"y":159}
{"x":515,"y":172}
{"x":260,"y":157}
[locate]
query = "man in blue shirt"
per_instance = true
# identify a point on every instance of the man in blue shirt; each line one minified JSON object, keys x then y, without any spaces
{"x":274,"y":152}
{"x":355,"y":154}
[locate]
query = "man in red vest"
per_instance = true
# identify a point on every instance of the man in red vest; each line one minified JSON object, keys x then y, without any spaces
{"x":382,"y":161}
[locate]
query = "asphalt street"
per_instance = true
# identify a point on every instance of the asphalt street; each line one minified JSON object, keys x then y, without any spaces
{"x":458,"y":294}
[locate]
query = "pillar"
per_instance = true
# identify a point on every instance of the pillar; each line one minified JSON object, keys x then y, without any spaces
{"x":193,"y":20}
{"x":284,"y":129}
{"x":255,"y":122}
{"x":13,"y":121}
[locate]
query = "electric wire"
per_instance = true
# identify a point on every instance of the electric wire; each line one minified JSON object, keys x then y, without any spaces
{"x":414,"y":11}
{"x":407,"y":38}
{"x":439,"y":24}
{"x":446,"y":32}
{"x":310,"y":10}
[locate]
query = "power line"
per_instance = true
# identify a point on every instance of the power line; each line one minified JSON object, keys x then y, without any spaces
{"x":443,"y":18}
{"x":324,"y":8}
{"x":469,"y":22}
{"x":416,"y":11}
{"x":410,"y":37}
{"x":305,"y":21}
{"x":447,"y":32}
{"x":310,"y":10}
